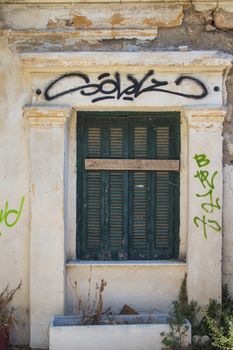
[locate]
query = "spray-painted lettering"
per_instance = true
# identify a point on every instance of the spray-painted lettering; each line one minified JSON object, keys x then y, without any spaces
{"x":9,"y":217}
{"x":110,"y":87}
{"x":209,"y":202}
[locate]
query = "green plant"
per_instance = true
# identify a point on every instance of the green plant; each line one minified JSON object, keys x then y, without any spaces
{"x":181,"y":311}
{"x":174,"y":339}
{"x":218,"y":321}
{"x":212,"y":327}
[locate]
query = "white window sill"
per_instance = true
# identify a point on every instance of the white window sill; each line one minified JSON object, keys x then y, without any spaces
{"x":158,"y":263}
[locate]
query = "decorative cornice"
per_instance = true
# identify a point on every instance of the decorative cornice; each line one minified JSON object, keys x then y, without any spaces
{"x":173,"y":61}
{"x":47,"y":116}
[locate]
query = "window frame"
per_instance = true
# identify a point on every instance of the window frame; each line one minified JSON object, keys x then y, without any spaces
{"x":174,"y":117}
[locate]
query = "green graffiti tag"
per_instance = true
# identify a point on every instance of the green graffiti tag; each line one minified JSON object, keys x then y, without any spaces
{"x":10,"y":217}
{"x":210,"y":203}
{"x":201,"y":160}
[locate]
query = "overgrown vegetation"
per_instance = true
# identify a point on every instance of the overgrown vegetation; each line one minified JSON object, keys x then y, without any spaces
{"x":212,"y":327}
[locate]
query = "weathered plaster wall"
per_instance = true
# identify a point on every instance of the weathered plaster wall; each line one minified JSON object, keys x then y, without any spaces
{"x":141,"y":286}
{"x":14,"y":185}
{"x":122,"y":26}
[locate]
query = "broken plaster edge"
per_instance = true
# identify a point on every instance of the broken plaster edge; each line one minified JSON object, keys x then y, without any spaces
{"x":83,"y":34}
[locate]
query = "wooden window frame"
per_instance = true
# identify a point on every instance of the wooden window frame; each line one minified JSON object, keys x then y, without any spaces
{"x":168,"y":165}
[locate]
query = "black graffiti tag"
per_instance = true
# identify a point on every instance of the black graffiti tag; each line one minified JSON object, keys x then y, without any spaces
{"x":109,"y":87}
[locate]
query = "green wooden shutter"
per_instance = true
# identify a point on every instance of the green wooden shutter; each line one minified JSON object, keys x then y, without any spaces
{"x":116,"y":227}
{"x":127,"y":214}
{"x":138,"y":213}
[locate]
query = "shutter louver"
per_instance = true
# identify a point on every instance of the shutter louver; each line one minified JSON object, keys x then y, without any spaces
{"x":94,"y":184}
{"x":139,"y":143}
{"x":116,"y":143}
{"x":138,"y":239}
{"x":162,"y":210}
{"x":139,"y":225}
{"x":162,"y":143}
{"x":94,"y":143}
{"x":93,"y":210}
{"x":164,"y":195}
{"x":116,"y":212}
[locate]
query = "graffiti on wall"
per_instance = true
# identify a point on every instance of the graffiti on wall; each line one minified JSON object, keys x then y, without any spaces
{"x":208,"y":201}
{"x":9,"y":216}
{"x":110,"y":86}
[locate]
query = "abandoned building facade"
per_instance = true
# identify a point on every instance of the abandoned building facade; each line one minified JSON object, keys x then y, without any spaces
{"x":116,"y":143}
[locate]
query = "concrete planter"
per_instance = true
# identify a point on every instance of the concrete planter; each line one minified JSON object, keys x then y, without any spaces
{"x":137,"y":332}
{"x":4,"y":337}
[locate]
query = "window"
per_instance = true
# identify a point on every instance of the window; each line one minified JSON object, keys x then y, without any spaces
{"x":128,"y":186}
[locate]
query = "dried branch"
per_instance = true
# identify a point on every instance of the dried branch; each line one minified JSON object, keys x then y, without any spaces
{"x":6,"y":312}
{"x":90,"y":314}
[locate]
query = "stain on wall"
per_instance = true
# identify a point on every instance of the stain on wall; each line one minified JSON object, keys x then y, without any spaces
{"x":116,"y":19}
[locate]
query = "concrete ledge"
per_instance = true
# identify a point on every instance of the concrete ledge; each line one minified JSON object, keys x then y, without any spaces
{"x":180,"y":2}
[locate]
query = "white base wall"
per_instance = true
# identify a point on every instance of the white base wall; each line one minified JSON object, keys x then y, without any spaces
{"x":146,"y":287}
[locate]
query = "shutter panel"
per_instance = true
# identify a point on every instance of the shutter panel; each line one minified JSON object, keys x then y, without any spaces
{"x":162,"y":193}
{"x":165,"y":192}
{"x":162,"y":210}
{"x":139,"y":213}
{"x":116,"y":214}
{"x":116,"y":195}
{"x":92,"y":209}
{"x":139,"y":195}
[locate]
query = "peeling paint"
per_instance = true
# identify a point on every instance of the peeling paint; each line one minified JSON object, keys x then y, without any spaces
{"x":116,"y":19}
{"x":95,"y":15}
{"x":60,"y":23}
{"x":81,"y":22}
{"x":156,"y":23}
